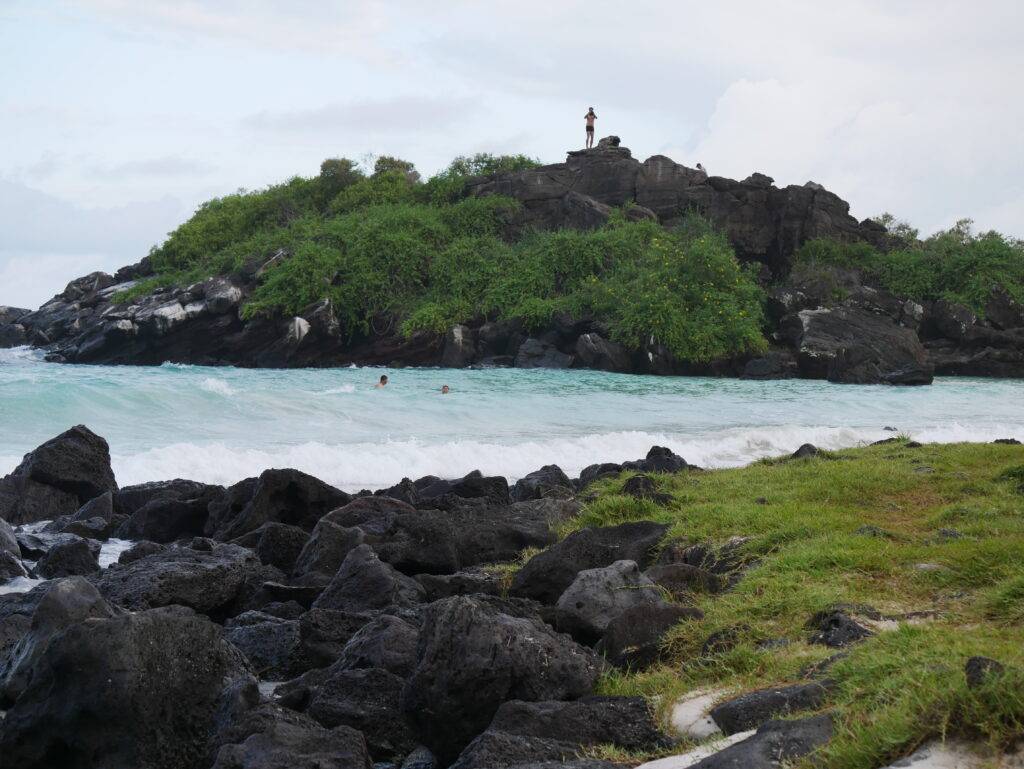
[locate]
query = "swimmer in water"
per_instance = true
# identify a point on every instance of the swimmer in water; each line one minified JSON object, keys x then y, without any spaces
{"x":383,"y":381}
{"x":445,"y":389}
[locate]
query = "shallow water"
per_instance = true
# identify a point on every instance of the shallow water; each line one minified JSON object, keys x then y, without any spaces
{"x":223,"y":424}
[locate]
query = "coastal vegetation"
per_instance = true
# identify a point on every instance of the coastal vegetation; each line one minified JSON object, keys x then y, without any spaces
{"x":958,"y":264}
{"x":930,"y":537}
{"x":388,"y":249}
{"x":387,"y":244}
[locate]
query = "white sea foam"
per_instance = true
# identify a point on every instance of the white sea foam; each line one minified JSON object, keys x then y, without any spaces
{"x":217,"y":386}
{"x":111,"y":550}
{"x":19,"y":585}
{"x":375,"y":465}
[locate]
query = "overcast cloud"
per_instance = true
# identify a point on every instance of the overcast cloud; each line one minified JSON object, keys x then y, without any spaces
{"x":119,"y":116}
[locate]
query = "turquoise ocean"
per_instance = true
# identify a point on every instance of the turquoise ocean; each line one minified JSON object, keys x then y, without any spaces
{"x":223,"y":424}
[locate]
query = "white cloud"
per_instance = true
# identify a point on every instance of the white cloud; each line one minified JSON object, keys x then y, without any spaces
{"x":910,"y":107}
{"x":394,"y":115}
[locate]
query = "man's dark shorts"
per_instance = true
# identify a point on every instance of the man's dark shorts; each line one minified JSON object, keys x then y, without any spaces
{"x":590,"y":129}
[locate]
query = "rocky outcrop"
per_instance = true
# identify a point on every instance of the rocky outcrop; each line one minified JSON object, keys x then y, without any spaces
{"x":869,"y":336}
{"x":853,"y":346}
{"x":57,"y":478}
{"x":12,"y":333}
{"x":764,"y":223}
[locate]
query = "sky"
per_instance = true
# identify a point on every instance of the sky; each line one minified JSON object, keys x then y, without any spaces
{"x":118,"y":117}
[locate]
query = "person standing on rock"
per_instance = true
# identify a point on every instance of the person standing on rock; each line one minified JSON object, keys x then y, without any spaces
{"x":590,"y":117}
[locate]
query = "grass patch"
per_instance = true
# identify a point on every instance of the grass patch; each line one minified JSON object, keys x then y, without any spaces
{"x":861,"y":526}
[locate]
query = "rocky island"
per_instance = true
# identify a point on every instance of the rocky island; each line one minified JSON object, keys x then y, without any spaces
{"x":846,"y":608}
{"x":497,"y":263}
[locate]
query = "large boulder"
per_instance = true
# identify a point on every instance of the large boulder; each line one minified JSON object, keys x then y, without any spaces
{"x":594,"y":351}
{"x":854,"y":346}
{"x":775,"y":744}
{"x":8,"y":539}
{"x":57,"y":478}
{"x":12,"y":333}
{"x":64,"y":602}
{"x":527,"y":732}
{"x":207,"y":581}
{"x":547,"y":481}
{"x":367,"y":699}
{"x":273,"y":738}
{"x":439,"y":542}
{"x":474,"y":654}
{"x":169,"y":513}
{"x":271,"y":645}
{"x":534,"y":353}
{"x":283,"y":496}
{"x":326,"y":548}
{"x":387,"y":642}
{"x":750,"y":710}
{"x":598,"y":596}
{"x":546,"y":576}
{"x":70,"y":556}
{"x":1003,"y":311}
{"x":459,"y":347}
{"x":141,"y":689}
{"x":276,"y":544}
{"x":128,"y":499}
{"x":633,"y":639}
{"x":365,"y":583}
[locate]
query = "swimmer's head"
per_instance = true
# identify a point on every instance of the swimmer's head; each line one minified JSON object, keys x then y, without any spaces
{"x":444,"y":389}
{"x":383,"y":379}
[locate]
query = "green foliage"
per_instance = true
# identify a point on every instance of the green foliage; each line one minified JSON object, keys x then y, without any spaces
{"x":335,"y":175}
{"x":449,"y":185}
{"x":898,"y":228}
{"x":386,"y":165}
{"x":387,"y":249}
{"x":955,"y":264}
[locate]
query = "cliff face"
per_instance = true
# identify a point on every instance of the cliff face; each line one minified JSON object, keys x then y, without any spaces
{"x":763,"y":222}
{"x":868,"y":336}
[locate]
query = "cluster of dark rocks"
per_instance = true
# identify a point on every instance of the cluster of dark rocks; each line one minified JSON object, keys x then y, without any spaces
{"x":823,"y":326}
{"x":282,"y":623}
{"x":384,"y":619}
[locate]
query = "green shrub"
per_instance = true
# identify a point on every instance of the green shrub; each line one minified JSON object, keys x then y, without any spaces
{"x":450,"y":184}
{"x":954,"y":264}
{"x":386,"y":248}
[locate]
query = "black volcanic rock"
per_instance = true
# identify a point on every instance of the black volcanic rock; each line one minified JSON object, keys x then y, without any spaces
{"x":546,"y":576}
{"x":476,"y":653}
{"x":763,"y":223}
{"x":205,"y":581}
{"x":282,"y":496}
{"x":140,"y":689}
{"x":57,"y":478}
{"x":856,"y":347}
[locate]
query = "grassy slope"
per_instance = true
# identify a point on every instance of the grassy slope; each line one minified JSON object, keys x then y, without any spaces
{"x":900,"y":687}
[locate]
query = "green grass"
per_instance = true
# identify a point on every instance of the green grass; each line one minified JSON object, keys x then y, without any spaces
{"x":901,"y":687}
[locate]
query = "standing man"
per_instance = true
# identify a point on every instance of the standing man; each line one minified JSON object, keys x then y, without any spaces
{"x":590,"y":117}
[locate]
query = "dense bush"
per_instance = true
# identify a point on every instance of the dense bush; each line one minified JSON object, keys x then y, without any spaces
{"x":386,"y":248}
{"x":955,"y":264}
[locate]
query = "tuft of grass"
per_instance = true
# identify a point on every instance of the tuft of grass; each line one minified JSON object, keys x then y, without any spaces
{"x":812,"y":543}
